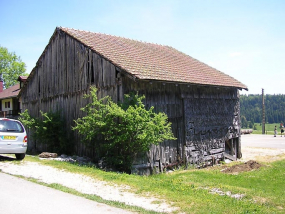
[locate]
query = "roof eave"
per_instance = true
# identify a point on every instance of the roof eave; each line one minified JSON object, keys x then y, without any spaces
{"x":190,"y":83}
{"x":3,"y":98}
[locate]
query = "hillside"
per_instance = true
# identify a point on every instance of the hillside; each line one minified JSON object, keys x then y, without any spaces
{"x":251,"y":109}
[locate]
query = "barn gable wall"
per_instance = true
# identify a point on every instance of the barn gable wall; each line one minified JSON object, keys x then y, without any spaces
{"x":63,"y":74}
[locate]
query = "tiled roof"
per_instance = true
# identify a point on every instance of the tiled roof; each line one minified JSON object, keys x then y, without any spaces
{"x":152,"y":61}
{"x":22,"y":78}
{"x":13,"y":91}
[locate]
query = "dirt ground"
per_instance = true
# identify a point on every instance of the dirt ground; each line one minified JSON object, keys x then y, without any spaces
{"x":253,"y":158}
{"x":243,"y":167}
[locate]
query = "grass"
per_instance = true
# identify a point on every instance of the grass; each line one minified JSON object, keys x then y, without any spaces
{"x":190,"y":189}
{"x":269,"y":128}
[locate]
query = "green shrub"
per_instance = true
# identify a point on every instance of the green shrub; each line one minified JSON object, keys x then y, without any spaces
{"x":49,"y":131}
{"x":120,"y":132}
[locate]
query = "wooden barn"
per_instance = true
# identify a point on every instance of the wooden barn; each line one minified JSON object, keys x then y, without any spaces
{"x":201,"y":102}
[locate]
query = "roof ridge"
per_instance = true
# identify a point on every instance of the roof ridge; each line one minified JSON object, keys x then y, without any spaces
{"x":122,"y":37}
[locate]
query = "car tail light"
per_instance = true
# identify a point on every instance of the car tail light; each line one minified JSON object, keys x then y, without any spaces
{"x":25,"y":139}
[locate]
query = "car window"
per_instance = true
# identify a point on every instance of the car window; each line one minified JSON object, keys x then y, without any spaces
{"x":10,"y":126}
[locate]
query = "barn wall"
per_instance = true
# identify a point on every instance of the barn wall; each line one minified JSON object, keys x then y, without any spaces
{"x":212,"y":119}
{"x":203,"y":120}
{"x":63,"y":74}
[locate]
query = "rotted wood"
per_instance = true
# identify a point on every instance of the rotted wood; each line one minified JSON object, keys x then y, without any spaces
{"x":231,"y":157}
{"x":209,"y":121}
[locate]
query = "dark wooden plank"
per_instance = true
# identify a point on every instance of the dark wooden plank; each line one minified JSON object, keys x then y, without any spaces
{"x":231,"y":157}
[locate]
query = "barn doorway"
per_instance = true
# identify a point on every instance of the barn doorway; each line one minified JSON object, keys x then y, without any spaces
{"x":232,"y":147}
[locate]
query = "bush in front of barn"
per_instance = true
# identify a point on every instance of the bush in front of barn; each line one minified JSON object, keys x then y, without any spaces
{"x":48,"y":130}
{"x":120,"y":132}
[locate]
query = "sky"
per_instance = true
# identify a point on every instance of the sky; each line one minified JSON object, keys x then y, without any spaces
{"x":242,"y":38}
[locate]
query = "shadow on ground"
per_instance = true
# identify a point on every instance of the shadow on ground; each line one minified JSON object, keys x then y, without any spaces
{"x":7,"y":158}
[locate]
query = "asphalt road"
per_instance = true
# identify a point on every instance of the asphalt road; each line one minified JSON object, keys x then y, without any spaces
{"x":20,"y":196}
{"x":263,"y":141}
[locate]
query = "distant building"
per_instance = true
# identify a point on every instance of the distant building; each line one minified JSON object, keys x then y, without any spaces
{"x":10,"y":105}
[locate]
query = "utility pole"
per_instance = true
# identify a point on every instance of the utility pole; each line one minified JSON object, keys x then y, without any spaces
{"x":263,"y":113}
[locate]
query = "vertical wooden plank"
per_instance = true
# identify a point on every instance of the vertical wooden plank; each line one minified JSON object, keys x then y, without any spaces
{"x":105,"y":73}
{"x":61,"y":64}
{"x":99,"y":68}
{"x":76,"y":71}
{"x":53,"y":67}
{"x":86,"y":78}
{"x":67,"y":63}
{"x":47,"y":68}
{"x":70,"y":62}
{"x":95,"y":68}
{"x":71,"y":76}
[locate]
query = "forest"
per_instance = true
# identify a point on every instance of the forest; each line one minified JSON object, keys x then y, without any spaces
{"x":251,"y":109}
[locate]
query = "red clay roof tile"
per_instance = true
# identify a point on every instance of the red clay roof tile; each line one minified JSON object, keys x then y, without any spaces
{"x":152,"y":61}
{"x":13,"y":91}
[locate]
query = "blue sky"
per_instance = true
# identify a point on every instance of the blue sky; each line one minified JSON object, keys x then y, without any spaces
{"x":242,"y":38}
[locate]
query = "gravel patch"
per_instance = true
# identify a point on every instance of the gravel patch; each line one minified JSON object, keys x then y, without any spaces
{"x":261,"y":154}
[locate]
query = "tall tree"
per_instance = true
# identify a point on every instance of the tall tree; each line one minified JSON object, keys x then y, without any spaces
{"x":11,"y":67}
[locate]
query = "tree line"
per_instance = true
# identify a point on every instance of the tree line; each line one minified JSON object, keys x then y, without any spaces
{"x":251,"y":109}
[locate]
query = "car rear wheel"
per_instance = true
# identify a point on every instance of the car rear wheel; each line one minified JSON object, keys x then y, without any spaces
{"x":20,"y":156}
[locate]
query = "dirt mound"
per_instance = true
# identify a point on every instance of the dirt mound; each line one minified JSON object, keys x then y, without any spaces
{"x":245,"y":167}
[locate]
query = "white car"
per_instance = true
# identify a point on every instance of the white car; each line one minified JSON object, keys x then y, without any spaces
{"x":13,"y":138}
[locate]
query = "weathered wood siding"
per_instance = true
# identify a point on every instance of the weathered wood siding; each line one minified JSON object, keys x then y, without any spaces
{"x":63,"y":74}
{"x":211,"y":118}
{"x":203,"y":119}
